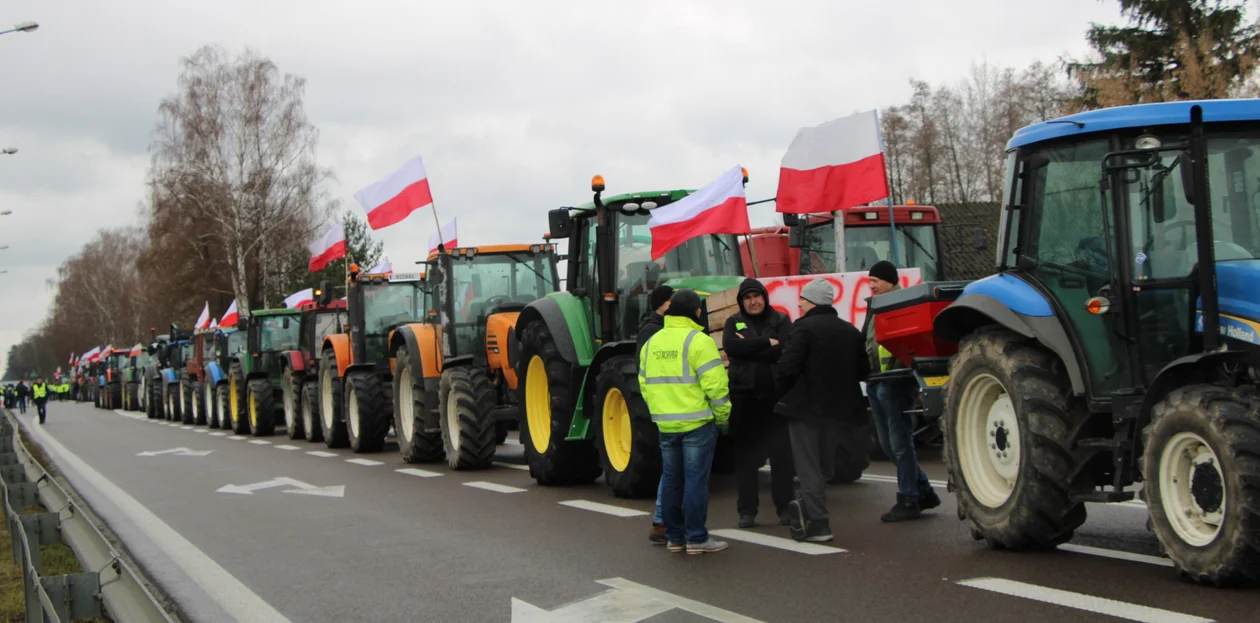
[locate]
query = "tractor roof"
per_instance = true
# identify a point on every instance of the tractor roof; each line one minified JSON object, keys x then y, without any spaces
{"x":275,"y":312}
{"x":670,"y":195}
{"x":496,"y":249}
{"x":315,"y":307}
{"x":1137,"y":116}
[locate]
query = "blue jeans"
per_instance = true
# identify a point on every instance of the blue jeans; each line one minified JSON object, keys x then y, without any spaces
{"x":657,"y":517}
{"x":686,"y":459}
{"x":889,"y":403}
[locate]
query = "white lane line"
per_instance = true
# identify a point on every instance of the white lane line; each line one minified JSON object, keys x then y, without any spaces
{"x":218,"y":434}
{"x":236,"y":437}
{"x":1079,"y":601}
{"x":187,"y":427}
{"x":757,"y":538}
{"x":1116,"y":554}
{"x":231,"y":595}
{"x":321,"y":454}
{"x":490,"y":486}
{"x":287,"y":447}
{"x":260,"y":442}
{"x":607,"y":509}
{"x":423,"y":473}
{"x":523,"y":468}
{"x":365,"y":462}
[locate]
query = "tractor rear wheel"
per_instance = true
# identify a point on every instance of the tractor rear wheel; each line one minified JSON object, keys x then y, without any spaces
{"x":310,"y":412}
{"x":547,"y":402}
{"x":212,"y":405}
{"x":414,"y":443}
{"x":238,"y":396}
{"x":367,"y":412}
{"x":292,"y":402}
{"x":262,"y":408}
{"x":1011,"y":423}
{"x":466,"y":402}
{"x":154,"y":400}
{"x":330,"y":407}
{"x":1200,"y":468}
{"x":186,"y":401}
{"x":223,"y":394}
{"x":627,"y":439}
{"x":133,"y":397}
{"x":174,"y":406}
{"x":198,"y":404}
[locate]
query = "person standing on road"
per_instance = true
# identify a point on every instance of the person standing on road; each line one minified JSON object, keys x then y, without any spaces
{"x":753,"y":338}
{"x":686,"y":389}
{"x":891,"y":402}
{"x":653,"y":322}
{"x":821,"y":367}
{"x":22,"y":391}
{"x":39,"y":390}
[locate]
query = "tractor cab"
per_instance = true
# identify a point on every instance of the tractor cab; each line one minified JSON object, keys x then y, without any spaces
{"x":270,"y":332}
{"x":863,"y":237}
{"x":319,"y":319}
{"x":376,"y":305}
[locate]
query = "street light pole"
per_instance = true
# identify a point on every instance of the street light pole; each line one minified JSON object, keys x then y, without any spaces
{"x":21,"y":27}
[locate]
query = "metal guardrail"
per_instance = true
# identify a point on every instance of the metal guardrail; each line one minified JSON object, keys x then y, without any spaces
{"x":115,"y":588}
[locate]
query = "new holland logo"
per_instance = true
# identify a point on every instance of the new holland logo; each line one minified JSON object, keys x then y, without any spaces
{"x":1234,"y":328}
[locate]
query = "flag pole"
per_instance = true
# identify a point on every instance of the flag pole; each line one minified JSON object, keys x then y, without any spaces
{"x":892,"y":219}
{"x":752,"y":250}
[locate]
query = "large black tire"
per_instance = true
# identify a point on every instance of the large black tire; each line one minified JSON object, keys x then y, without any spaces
{"x":223,"y":394}
{"x":96,"y":399}
{"x":1201,"y":470}
{"x":330,"y":407}
{"x":238,"y":400}
{"x":211,"y":396}
{"x":186,"y":401}
{"x":133,"y":397}
{"x":293,"y":405}
{"x":501,"y":429}
{"x":198,"y":404}
{"x":627,"y":440}
{"x":262,"y":408}
{"x":310,"y":412}
{"x":116,"y":396}
{"x":414,"y":443}
{"x":547,"y":399}
{"x":1014,"y":474}
{"x":153,"y":404}
{"x":466,"y":402}
{"x":368,"y":412}
{"x":175,"y":406}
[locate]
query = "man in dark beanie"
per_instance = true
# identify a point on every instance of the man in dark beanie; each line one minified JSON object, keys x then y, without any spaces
{"x":685,"y":386}
{"x":754,"y":338}
{"x":891,"y":402}
{"x":821,"y":368}
{"x":653,"y":322}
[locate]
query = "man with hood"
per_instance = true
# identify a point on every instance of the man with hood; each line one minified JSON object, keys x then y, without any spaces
{"x":891,"y":401}
{"x":821,"y":368}
{"x":653,"y":322}
{"x":753,"y":338}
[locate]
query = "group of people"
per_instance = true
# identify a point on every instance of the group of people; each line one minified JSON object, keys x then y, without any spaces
{"x":791,"y":391}
{"x":17,"y":395}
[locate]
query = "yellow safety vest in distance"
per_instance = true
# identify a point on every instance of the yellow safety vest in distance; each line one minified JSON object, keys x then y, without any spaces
{"x":885,"y":359}
{"x":39,"y":391}
{"x":682,"y":377}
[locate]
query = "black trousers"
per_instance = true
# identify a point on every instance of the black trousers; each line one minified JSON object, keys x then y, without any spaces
{"x":759,"y":434}
{"x":40,"y":404}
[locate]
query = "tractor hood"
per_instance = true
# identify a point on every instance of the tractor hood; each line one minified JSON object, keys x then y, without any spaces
{"x":1237,"y":282}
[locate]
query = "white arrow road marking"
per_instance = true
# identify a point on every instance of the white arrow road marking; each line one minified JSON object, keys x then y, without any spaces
{"x":283,"y":481}
{"x":175,"y":452}
{"x":1088,"y":603}
{"x":627,"y":602}
{"x":423,"y":473}
{"x":490,"y":486}
{"x":812,"y":549}
{"x":607,"y":509}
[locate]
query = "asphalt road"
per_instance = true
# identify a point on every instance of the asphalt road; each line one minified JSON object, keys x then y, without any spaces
{"x":367,"y":542}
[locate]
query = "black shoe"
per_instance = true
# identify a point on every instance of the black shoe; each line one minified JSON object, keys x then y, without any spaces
{"x":796,"y":514}
{"x":819,"y":532}
{"x":906,"y":508}
{"x":747,"y":521}
{"x":928,"y":499}
{"x":785,"y":517}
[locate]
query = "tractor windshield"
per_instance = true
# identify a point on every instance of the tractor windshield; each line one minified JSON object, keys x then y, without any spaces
{"x":235,"y":343}
{"x":487,"y":280}
{"x":120,"y":361}
{"x":866,"y":245}
{"x":702,"y":256}
{"x":279,"y":333}
{"x":328,"y":323}
{"x":387,"y":305}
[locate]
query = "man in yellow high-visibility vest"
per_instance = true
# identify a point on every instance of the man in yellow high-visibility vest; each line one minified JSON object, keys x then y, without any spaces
{"x":39,"y":391}
{"x":686,"y":389}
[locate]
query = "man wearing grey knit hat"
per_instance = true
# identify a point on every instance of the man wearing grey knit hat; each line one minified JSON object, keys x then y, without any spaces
{"x":819,"y":376}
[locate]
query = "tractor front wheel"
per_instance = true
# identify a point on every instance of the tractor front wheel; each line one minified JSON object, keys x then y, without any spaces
{"x":547,"y":401}
{"x":627,"y":439}
{"x":292,"y":400}
{"x":310,"y":413}
{"x":330,"y":402}
{"x":223,"y":394}
{"x":466,"y":402}
{"x":1011,"y":423}
{"x":198,"y":404}
{"x":414,"y":443}
{"x":367,"y":412}
{"x":212,"y":405}
{"x":237,"y":400}
{"x":262,"y":408}
{"x":153,"y":404}
{"x":1200,"y":471}
{"x":133,"y":397}
{"x":186,"y":402}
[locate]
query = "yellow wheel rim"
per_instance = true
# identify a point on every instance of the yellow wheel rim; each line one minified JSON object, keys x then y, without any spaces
{"x":617,"y":434}
{"x":538,"y":405}
{"x":234,"y":401}
{"x":253,"y":411}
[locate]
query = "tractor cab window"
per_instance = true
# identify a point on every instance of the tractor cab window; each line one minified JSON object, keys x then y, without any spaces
{"x":275,"y":336}
{"x":480,"y":284}
{"x":235,"y":343}
{"x":387,"y":305}
{"x":866,"y":245}
{"x":328,"y":323}
{"x":120,"y":360}
{"x":185,"y":352}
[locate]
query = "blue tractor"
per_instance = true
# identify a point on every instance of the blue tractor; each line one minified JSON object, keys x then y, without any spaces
{"x":1117,"y":351}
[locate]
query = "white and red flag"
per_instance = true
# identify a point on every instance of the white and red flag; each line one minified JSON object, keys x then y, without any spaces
{"x":328,"y":247}
{"x":71,"y":357}
{"x":297,"y":299}
{"x":203,"y":320}
{"x":448,"y":237}
{"x":136,"y":350}
{"x":834,"y":166}
{"x":214,"y":324}
{"x":398,"y":195}
{"x":230,"y":317}
{"x":382,"y":268}
{"x":718,"y":208}
{"x":108,"y":350}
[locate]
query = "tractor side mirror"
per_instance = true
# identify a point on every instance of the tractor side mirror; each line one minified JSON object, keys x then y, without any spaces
{"x":796,"y":236}
{"x":979,"y":239}
{"x":561,"y":223}
{"x":791,"y":220}
{"x":1187,"y":176}
{"x":325,"y":290}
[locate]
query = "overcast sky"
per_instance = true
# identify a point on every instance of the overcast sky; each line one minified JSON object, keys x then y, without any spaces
{"x":514,"y":105}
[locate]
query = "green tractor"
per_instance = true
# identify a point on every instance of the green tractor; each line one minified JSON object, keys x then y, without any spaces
{"x":575,"y":353}
{"x":255,"y":390}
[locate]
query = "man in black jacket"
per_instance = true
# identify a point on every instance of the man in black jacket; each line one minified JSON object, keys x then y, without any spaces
{"x":753,"y":338}
{"x":822,"y":365}
{"x":653,"y":322}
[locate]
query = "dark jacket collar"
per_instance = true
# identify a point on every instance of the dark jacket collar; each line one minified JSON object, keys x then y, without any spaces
{"x":822,"y":310}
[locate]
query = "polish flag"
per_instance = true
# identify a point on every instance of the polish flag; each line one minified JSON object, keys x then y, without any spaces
{"x":107,"y":351}
{"x":383,"y":268}
{"x":835,"y":166}
{"x":449,"y":237}
{"x":328,"y":247}
{"x":214,"y":324}
{"x":71,"y":357}
{"x":297,"y":299}
{"x":136,"y":350}
{"x":230,"y":317}
{"x":203,"y":320}
{"x":718,"y":208}
{"x":397,"y":196}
